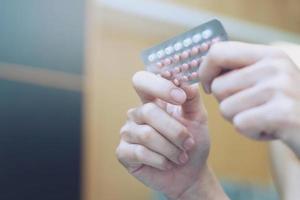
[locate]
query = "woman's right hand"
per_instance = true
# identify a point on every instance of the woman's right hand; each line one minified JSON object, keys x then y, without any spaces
{"x":165,"y":142}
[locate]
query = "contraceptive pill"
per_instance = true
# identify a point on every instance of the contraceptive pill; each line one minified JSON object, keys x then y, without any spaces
{"x":179,"y":58}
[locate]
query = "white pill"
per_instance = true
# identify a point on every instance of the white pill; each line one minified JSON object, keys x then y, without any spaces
{"x":152,"y":57}
{"x":169,"y":50}
{"x":160,"y":54}
{"x":187,"y":42}
{"x":207,"y":33}
{"x":178,"y":46}
{"x":197,"y":38}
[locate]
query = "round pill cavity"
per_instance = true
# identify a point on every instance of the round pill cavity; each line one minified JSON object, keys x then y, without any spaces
{"x":196,"y":38}
{"x":194,"y":51}
{"x":176,"y":82}
{"x":185,"y":54}
{"x":167,"y":61}
{"x":160,"y":54}
{"x":159,"y":64}
{"x":194,"y":63}
{"x":169,"y":50}
{"x":152,"y":57}
{"x":177,"y":70}
{"x":185,"y":67}
{"x":166,"y":74}
{"x":203,"y":47}
{"x":176,"y":58}
{"x":187,"y":42}
{"x":178,"y":46}
{"x":207,"y":34}
{"x":194,"y":75}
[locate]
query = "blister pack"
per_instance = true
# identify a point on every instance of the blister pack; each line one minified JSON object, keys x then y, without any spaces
{"x":178,"y":59}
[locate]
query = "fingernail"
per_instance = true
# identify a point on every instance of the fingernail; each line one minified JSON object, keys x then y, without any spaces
{"x":188,"y":144}
{"x":178,"y":95}
{"x":183,"y":158}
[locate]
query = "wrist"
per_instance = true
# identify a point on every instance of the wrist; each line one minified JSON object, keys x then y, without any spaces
{"x":292,"y":140}
{"x":207,"y":187}
{"x":289,"y":133}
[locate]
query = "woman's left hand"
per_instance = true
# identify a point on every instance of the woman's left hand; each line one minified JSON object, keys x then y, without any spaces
{"x":260,"y":94}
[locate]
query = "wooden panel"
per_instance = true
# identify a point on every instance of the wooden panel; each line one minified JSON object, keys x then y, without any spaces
{"x":108,"y":95}
{"x":283,"y":14}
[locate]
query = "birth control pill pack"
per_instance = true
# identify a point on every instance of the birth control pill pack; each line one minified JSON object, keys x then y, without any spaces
{"x":178,"y":59}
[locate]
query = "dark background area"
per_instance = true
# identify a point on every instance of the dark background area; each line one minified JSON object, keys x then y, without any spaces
{"x":40,"y":127}
{"x":39,"y":143}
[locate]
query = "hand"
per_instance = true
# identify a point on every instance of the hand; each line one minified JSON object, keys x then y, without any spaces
{"x":260,"y":94}
{"x":165,"y":142}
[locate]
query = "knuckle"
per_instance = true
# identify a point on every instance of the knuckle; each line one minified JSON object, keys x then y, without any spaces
{"x":130,"y":112}
{"x":182,"y":134}
{"x":163,"y":162}
{"x":278,"y":63}
{"x":216,"y":88}
{"x":173,"y":153}
{"x":288,"y":106}
{"x":118,"y":153}
{"x":267,"y":89}
{"x":273,"y":65}
{"x":125,"y":133}
{"x":238,"y":124}
{"x":224,"y":109}
{"x":277,"y":53}
{"x":140,"y":152}
{"x":124,"y":130}
{"x":284,"y":81}
{"x":147,"y":109}
{"x":145,"y":135}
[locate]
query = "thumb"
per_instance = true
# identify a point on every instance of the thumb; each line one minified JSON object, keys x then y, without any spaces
{"x":193,"y":107}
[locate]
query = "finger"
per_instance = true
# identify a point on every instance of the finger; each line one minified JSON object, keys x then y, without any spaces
{"x":228,"y":56}
{"x":150,"y":138}
{"x":240,"y":79}
{"x":133,"y":156}
{"x":167,"y":126}
{"x":150,"y":87}
{"x":246,"y":99}
{"x":257,"y":123}
{"x":193,"y":107}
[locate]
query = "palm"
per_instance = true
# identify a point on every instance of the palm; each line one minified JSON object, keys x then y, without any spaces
{"x":180,"y":177}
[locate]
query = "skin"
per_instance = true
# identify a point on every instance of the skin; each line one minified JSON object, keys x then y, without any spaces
{"x":265,"y":80}
{"x":165,"y":141}
{"x":286,"y":170}
{"x":152,"y":142}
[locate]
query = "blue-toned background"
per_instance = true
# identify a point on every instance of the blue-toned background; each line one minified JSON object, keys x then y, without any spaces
{"x":40,"y":126}
{"x":45,"y":33}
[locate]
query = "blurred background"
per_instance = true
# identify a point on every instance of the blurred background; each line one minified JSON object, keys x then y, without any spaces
{"x":41,"y":69}
{"x":65,"y":87}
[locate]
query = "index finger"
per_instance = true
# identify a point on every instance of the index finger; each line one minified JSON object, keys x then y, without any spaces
{"x":228,"y":56}
{"x":150,"y":87}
